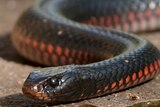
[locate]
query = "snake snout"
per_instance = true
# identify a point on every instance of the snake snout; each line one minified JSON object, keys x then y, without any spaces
{"x":36,"y":92}
{"x":27,"y":90}
{"x":33,"y":87}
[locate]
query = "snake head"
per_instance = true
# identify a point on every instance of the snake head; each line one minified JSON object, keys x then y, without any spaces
{"x":49,"y":84}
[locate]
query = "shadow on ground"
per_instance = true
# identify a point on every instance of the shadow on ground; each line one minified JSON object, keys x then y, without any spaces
{"x":22,"y":101}
{"x":19,"y":100}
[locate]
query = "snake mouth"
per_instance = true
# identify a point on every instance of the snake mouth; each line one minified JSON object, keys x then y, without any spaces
{"x":35,"y":92}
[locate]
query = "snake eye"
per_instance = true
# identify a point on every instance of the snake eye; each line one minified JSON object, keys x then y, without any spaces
{"x":54,"y":82}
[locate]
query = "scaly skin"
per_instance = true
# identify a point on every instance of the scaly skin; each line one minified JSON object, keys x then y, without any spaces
{"x":55,"y":32}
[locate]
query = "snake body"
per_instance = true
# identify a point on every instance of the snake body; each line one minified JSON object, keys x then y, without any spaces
{"x":61,"y":32}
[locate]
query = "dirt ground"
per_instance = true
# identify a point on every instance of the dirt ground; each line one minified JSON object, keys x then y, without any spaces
{"x":14,"y":69}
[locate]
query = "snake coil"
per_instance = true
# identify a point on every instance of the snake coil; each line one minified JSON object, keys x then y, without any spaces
{"x":61,"y":32}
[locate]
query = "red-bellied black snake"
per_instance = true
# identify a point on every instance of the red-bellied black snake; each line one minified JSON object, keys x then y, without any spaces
{"x":61,"y":32}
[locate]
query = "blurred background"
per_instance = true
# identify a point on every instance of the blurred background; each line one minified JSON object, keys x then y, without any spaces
{"x":9,"y":12}
{"x":14,"y":69}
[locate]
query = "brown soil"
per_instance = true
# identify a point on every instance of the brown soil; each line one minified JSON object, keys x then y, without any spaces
{"x":14,"y":69}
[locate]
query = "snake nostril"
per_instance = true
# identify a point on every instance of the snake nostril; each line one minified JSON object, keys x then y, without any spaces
{"x":40,"y":88}
{"x":37,"y":88}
